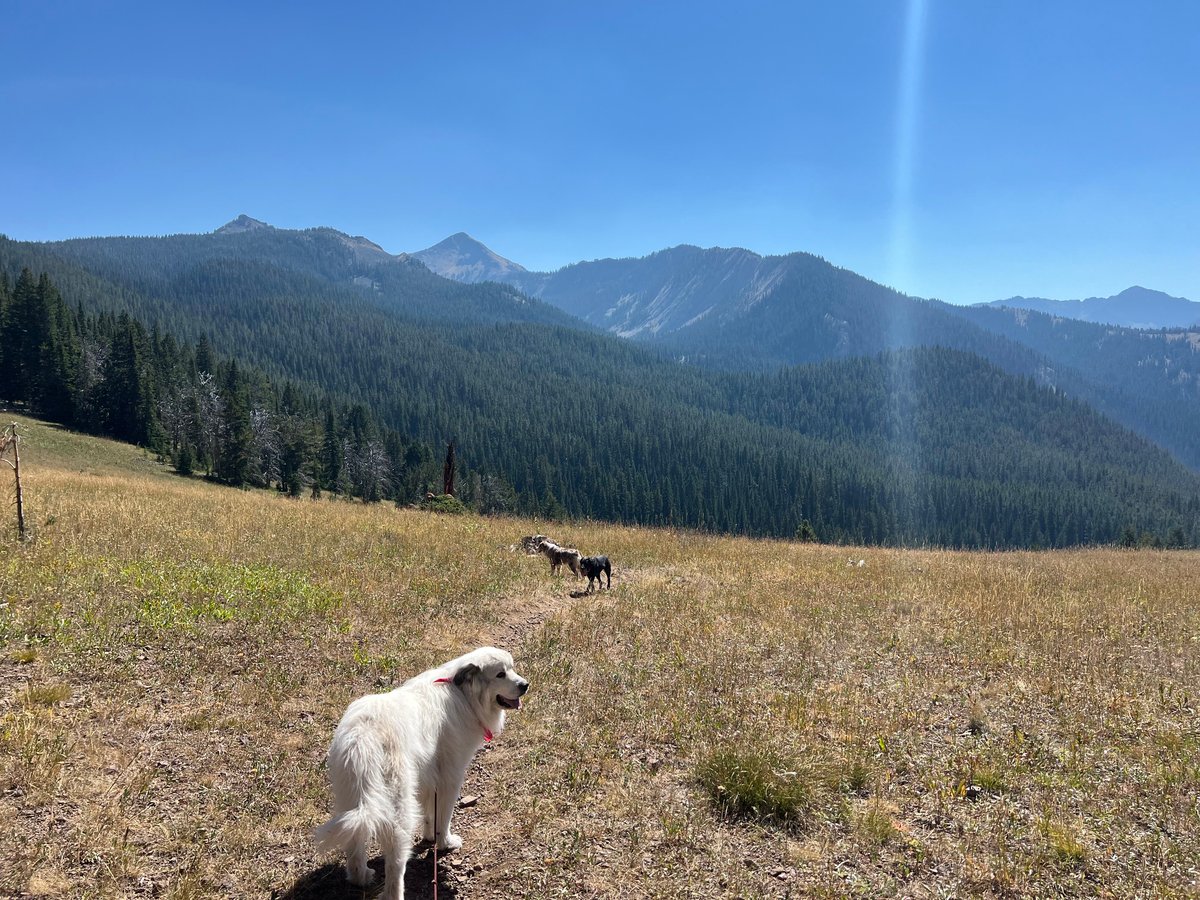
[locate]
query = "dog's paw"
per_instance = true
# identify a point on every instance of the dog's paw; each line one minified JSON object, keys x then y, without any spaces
{"x":424,"y":833}
{"x":364,"y":878}
{"x":450,"y":842}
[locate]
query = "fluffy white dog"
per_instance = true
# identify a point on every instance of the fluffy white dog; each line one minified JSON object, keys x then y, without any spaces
{"x":393,"y":754}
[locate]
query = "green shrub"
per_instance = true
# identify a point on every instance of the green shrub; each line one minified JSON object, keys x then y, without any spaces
{"x":748,"y":784}
{"x":444,"y":503}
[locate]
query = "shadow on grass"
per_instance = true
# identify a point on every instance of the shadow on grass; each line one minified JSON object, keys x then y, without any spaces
{"x":329,"y":882}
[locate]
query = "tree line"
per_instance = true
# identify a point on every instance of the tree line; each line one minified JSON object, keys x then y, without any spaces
{"x":916,"y":447}
{"x":106,"y":374}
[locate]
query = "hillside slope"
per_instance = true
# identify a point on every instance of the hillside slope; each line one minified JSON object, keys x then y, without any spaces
{"x":601,"y":427}
{"x":318,"y":263}
{"x":733,"y":309}
{"x":174,"y":658}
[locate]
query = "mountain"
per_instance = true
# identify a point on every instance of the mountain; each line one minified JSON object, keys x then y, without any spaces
{"x":1135,"y":307}
{"x":241,"y":224}
{"x":654,"y":297}
{"x":364,"y":251}
{"x":462,"y":258}
{"x":156,"y":273}
{"x":733,"y":309}
{"x":928,"y":446}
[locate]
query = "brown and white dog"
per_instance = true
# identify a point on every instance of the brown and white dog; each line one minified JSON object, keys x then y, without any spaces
{"x":398,"y":760}
{"x":559,"y":555}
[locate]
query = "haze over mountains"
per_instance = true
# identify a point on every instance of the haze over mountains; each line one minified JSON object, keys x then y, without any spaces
{"x":1135,"y":307}
{"x":735,"y":310}
{"x":913,"y":421}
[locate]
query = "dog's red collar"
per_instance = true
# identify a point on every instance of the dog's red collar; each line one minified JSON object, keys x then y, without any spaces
{"x":487,"y":732}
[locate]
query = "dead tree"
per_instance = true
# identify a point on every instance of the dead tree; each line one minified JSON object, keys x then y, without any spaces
{"x":9,"y":439}
{"x":448,"y":471}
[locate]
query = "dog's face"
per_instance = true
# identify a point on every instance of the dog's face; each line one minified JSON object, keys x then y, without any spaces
{"x":490,"y":677}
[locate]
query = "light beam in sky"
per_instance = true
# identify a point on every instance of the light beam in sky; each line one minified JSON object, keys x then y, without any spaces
{"x":912,"y":57}
{"x":906,"y":454}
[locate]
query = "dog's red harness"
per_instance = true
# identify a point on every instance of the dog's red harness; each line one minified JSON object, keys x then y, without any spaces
{"x":487,"y":733}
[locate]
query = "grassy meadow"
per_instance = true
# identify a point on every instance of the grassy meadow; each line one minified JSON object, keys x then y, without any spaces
{"x":736,"y":718}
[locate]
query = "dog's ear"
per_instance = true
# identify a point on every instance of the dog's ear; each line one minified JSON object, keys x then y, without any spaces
{"x":470,"y":670}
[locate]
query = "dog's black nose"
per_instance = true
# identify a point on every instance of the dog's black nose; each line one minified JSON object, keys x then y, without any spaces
{"x":524,"y":685}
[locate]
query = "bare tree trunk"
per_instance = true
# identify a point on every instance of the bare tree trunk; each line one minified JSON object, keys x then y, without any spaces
{"x":448,"y":471}
{"x":21,"y":532}
{"x":7,"y":439}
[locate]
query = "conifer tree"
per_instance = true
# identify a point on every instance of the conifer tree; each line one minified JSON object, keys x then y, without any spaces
{"x":5,"y":302}
{"x":234,"y":457}
{"x":449,"y":471}
{"x":123,"y":393}
{"x":57,"y":357}
{"x":331,"y":452}
{"x":26,"y":333}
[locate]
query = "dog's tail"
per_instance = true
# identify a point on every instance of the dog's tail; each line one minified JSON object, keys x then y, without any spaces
{"x":353,"y":828}
{"x":375,"y":817}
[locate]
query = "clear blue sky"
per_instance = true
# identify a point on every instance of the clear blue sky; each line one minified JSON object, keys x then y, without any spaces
{"x":959,"y":150}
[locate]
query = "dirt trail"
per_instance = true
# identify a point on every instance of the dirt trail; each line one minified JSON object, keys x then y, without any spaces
{"x":530,"y":611}
{"x":483,"y":826}
{"x":526,"y":616}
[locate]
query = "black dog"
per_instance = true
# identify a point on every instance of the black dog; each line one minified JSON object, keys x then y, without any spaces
{"x":592,"y":566}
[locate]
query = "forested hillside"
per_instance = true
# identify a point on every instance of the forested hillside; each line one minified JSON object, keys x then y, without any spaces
{"x":1147,"y":380}
{"x":150,"y":277}
{"x":106,"y":374}
{"x":923,"y":447}
{"x":733,"y":309}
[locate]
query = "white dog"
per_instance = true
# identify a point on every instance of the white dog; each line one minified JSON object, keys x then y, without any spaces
{"x":395,"y":755}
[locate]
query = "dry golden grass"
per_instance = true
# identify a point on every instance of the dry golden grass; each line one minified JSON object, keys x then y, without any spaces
{"x":174,"y":656}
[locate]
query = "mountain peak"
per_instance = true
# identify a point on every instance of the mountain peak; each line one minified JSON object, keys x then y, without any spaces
{"x":463,"y":258}
{"x":1137,"y":292}
{"x":1134,"y":307}
{"x":241,"y":224}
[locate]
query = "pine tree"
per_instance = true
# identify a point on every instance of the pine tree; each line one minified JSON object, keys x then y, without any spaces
{"x":205,"y":361}
{"x":123,"y":394}
{"x":5,"y":303}
{"x":448,"y":471}
{"x":234,"y":457}
{"x":331,"y":452}
{"x":26,"y":333}
{"x":59,"y":358}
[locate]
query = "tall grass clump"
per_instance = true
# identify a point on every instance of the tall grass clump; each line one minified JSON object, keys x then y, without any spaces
{"x":749,"y":784}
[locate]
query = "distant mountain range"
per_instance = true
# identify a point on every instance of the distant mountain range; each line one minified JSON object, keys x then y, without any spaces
{"x":913,"y":420}
{"x":733,"y":309}
{"x":1135,"y":307}
{"x":689,"y":290}
{"x":654,"y":297}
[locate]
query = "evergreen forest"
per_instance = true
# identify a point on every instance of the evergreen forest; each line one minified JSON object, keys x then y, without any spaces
{"x":318,"y":378}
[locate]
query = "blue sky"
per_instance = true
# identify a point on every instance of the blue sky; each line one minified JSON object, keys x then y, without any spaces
{"x":959,"y":150}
